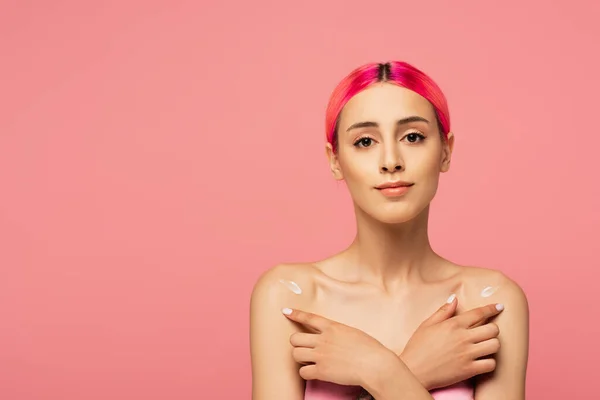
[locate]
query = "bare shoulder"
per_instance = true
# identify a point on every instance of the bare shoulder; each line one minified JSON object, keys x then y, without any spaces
{"x":274,"y":371}
{"x":281,"y":286}
{"x":484,"y":286}
{"x":285,"y":285}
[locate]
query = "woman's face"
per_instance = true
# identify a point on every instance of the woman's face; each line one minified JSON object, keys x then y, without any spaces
{"x":388,"y":135}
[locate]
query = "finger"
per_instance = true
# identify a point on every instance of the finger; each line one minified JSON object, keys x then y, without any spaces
{"x":307,"y":319}
{"x":443,"y":313}
{"x":477,"y":315}
{"x":484,"y":366}
{"x":301,"y":339}
{"x":480,"y":323}
{"x":309,"y":372}
{"x":486,"y":348}
{"x":484,"y":332}
{"x":303,"y":355}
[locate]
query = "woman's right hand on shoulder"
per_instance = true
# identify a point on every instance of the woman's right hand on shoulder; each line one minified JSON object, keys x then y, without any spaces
{"x":274,"y":371}
{"x":447,"y":349}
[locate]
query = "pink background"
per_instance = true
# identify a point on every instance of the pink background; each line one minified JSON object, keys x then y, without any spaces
{"x":156,"y":157}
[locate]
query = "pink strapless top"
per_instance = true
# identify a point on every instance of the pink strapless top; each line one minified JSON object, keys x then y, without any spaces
{"x":318,"y":390}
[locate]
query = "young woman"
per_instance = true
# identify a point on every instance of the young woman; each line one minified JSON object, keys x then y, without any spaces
{"x":388,"y":317}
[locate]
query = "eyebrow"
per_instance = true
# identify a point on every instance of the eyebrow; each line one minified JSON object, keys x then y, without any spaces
{"x":403,"y":121}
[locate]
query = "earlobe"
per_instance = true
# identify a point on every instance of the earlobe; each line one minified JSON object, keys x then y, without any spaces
{"x":334,"y":164}
{"x":337,"y":174}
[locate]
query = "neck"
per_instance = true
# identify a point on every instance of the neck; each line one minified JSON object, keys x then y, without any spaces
{"x":389,"y":255}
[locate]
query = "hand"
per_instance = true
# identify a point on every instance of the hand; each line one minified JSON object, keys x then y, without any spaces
{"x":334,"y":352}
{"x":444,"y":350}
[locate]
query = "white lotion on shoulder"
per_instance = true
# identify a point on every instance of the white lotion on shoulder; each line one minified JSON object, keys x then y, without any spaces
{"x":293,"y":286}
{"x":488,"y":291}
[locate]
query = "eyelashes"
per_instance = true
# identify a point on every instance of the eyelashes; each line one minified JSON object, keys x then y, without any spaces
{"x":411,"y":137}
{"x":415,"y":135}
{"x":364,"y":141}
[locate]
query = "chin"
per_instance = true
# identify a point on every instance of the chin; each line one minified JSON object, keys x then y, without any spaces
{"x":396,"y":213}
{"x":394,"y":217}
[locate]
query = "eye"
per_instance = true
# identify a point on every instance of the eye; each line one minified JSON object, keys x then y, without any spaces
{"x":414,"y":137}
{"x":363,"y":142}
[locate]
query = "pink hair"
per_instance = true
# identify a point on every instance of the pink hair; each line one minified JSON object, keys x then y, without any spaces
{"x":396,"y":72}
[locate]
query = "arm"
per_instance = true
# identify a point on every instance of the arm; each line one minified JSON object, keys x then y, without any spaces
{"x":338,"y":353}
{"x":507,"y":382}
{"x":398,"y":383}
{"x":274,"y":371}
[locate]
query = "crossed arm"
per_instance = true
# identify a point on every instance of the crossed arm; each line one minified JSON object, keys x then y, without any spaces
{"x":277,"y":370}
{"x":279,"y":347}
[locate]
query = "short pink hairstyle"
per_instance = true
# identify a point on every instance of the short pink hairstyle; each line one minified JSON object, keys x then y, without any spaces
{"x":396,"y":72}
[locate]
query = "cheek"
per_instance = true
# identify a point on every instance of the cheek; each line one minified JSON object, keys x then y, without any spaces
{"x":359,"y":169}
{"x":425,"y":171}
{"x":423,"y":166}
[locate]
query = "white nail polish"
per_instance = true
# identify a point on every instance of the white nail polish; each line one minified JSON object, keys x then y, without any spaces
{"x":451,"y":298}
{"x":499,"y":307}
{"x":287,"y":311}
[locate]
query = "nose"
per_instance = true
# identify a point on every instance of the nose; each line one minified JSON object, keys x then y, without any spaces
{"x":391,"y":168}
{"x":391,"y":161}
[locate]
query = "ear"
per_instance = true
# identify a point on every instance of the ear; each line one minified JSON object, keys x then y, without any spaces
{"x":447,"y":149}
{"x":334,"y":163}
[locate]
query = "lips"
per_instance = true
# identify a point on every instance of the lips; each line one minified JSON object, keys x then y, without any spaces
{"x":394,"y":189}
{"x":393,"y":185}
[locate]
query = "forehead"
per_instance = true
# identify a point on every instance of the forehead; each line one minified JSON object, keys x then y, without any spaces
{"x":385,"y":103}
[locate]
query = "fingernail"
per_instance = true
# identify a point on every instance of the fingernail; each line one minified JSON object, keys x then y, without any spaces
{"x":287,"y":311}
{"x":451,"y":298}
{"x":499,"y":307}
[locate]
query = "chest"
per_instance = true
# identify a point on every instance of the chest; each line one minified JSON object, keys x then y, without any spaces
{"x":391,"y":322}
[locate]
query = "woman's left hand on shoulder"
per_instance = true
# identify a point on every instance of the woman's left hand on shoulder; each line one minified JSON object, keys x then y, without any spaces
{"x":337,"y":353}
